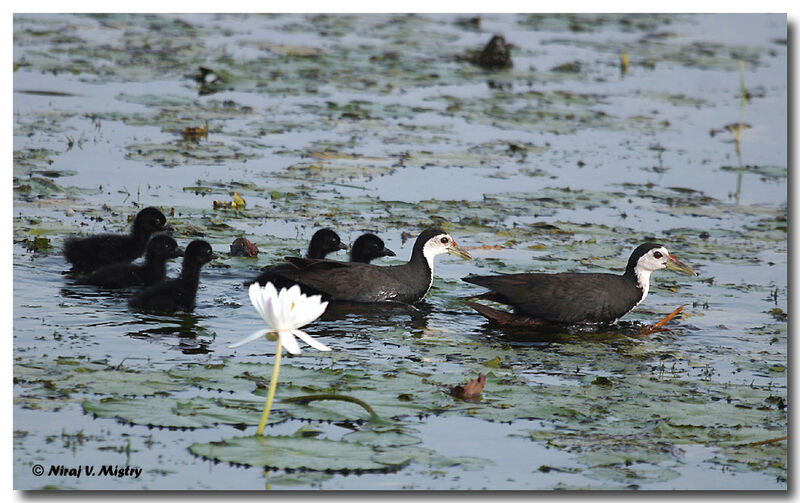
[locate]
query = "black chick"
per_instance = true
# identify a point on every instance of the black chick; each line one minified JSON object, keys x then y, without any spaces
{"x":177,"y":294}
{"x":323,"y":242}
{"x":93,"y":252}
{"x":367,"y":248}
{"x":160,"y":249}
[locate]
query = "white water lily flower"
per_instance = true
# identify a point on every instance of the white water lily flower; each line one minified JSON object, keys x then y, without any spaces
{"x":285,"y":313}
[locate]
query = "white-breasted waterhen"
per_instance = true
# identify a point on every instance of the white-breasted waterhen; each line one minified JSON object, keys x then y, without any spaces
{"x":367,"y":283}
{"x":569,"y":298}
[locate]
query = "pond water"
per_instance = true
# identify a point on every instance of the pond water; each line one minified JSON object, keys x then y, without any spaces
{"x":564,"y":162}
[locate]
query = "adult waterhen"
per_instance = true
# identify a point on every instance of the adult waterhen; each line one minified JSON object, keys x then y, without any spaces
{"x":368,"y":283}
{"x":574,"y":297}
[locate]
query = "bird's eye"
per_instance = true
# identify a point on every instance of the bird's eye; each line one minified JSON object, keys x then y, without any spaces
{"x":445,"y":240}
{"x":657,"y":254}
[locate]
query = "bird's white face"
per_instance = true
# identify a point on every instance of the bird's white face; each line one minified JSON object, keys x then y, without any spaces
{"x":437,"y":245}
{"x":655,"y":259}
{"x":442,"y":243}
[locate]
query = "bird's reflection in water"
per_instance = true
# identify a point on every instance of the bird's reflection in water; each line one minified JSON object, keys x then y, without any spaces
{"x":180,"y":331}
{"x":546,"y":333}
{"x":93,"y":295}
{"x":340,"y":317}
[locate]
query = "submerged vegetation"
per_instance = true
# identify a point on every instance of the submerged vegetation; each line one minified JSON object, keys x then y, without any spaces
{"x":258,"y":130}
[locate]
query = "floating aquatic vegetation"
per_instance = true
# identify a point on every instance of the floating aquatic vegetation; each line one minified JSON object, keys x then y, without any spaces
{"x":236,"y":202}
{"x":559,"y":112}
{"x":771,"y":173}
{"x":174,"y":154}
{"x":299,"y":453}
{"x":37,"y":244}
{"x":595,"y":22}
{"x":197,"y":412}
{"x":79,"y":376}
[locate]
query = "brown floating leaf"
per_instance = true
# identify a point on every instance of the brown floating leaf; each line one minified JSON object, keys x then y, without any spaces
{"x":195,"y":133}
{"x":470,"y":391}
{"x":241,"y":247}
{"x":658,"y":327}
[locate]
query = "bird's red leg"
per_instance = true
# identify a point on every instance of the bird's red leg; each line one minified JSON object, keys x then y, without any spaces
{"x":658,"y":327}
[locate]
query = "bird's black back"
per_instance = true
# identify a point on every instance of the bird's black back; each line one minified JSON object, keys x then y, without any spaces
{"x":160,"y":249}
{"x":564,"y":297}
{"x":93,"y":252}
{"x":358,"y":282}
{"x":323,"y":242}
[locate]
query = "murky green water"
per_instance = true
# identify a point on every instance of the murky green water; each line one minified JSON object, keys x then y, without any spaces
{"x":381,"y":123}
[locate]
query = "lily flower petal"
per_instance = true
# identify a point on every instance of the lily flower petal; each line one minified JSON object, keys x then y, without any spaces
{"x":273,"y":315}
{"x":291,"y":303}
{"x":271,"y":297}
{"x":257,"y":300}
{"x":310,"y":340}
{"x":289,"y":342}
{"x":311,"y":311}
{"x":250,"y":338}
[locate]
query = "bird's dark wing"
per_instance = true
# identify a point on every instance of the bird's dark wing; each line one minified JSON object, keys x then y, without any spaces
{"x":116,"y":276}
{"x":93,"y":252}
{"x":563,"y":298}
{"x":273,"y":275}
{"x":316,"y":263}
{"x":345,"y":281}
{"x":165,"y":296}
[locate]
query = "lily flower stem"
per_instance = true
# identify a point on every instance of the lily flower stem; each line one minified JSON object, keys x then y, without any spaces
{"x":273,"y":383}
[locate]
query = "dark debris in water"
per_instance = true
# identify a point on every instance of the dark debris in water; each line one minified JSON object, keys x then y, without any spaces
{"x":495,"y":55}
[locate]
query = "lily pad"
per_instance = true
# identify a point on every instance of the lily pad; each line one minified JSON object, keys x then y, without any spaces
{"x":114,"y":382}
{"x":167,"y":412}
{"x":298,"y":453}
{"x":430,"y":458}
{"x":80,"y":376}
